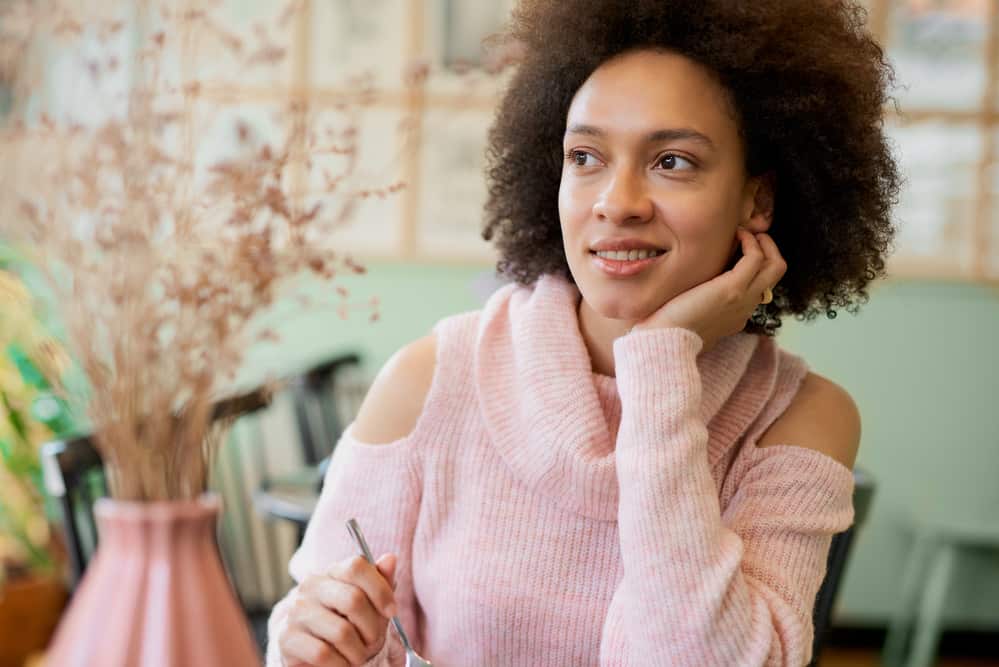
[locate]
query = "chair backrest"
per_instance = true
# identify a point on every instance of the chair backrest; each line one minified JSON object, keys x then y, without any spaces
{"x":73,"y":473}
{"x":316,"y":410}
{"x":839,"y":552}
{"x":74,"y":476}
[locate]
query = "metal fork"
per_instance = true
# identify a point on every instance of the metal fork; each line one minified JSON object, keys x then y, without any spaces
{"x":413,"y":659}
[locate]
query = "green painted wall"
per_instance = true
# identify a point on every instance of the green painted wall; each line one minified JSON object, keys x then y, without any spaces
{"x":413,"y":297}
{"x":921,"y":360}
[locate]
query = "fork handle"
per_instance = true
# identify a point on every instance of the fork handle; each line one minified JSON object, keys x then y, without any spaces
{"x":355,"y":531}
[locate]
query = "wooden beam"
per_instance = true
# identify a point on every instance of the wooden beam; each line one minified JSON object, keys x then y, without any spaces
{"x":878,"y":21}
{"x":983,"y":232}
{"x":301,"y":56}
{"x":946,"y":116}
{"x":415,"y":103}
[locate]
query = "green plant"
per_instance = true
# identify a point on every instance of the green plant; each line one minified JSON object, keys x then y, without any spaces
{"x":30,"y":414}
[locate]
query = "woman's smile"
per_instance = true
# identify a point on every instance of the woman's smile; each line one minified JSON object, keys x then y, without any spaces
{"x":626,"y":263}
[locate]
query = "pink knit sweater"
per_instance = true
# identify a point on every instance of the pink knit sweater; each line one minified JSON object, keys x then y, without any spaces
{"x":547,"y":515}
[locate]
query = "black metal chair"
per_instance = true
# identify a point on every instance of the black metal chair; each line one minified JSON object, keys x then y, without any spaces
{"x":839,"y":553}
{"x":74,"y":476}
{"x":320,"y":425}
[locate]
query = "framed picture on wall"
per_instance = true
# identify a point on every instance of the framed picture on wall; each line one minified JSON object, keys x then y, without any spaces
{"x":354,"y":172}
{"x":349,"y":38}
{"x":453,"y":190}
{"x":935,"y":216}
{"x":948,"y":224}
{"x":455,"y":31}
{"x":246,"y":47}
{"x":938,"y":51}
{"x":383,"y":140}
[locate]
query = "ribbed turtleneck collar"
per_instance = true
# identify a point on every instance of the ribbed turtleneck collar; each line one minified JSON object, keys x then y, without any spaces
{"x":541,"y":400}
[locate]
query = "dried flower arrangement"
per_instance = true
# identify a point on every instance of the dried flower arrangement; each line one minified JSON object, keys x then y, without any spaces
{"x":159,"y":259}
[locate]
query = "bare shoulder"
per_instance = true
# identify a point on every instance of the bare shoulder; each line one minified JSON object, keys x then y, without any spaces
{"x":823,"y":417}
{"x":395,"y":400}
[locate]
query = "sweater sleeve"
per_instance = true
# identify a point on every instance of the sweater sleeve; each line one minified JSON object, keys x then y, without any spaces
{"x":700,"y":587}
{"x":379,"y":486}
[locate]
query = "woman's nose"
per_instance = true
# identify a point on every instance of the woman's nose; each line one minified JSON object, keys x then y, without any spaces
{"x":624,"y":200}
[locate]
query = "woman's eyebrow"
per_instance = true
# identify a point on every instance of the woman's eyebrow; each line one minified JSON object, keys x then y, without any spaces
{"x":672,"y":134}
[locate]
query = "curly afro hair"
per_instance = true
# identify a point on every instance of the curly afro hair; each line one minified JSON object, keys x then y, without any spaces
{"x":808,"y":85}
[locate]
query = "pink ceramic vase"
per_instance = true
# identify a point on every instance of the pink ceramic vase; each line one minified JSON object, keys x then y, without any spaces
{"x":155,"y":593}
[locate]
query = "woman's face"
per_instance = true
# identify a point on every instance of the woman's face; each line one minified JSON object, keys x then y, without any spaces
{"x":654,"y":167}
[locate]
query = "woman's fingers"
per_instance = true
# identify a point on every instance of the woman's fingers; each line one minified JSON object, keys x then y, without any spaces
{"x":774,"y":266}
{"x":301,"y":648}
{"x":340,"y":617}
{"x":386,"y":565}
{"x":751,"y":262}
{"x":761,"y":266}
{"x":352,"y":603}
{"x":338,"y":632}
{"x":369,"y":579}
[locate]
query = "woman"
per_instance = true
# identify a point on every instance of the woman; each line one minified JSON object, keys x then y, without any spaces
{"x":613,"y":463}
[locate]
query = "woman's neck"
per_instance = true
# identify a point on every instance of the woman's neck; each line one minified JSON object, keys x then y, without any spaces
{"x":599,"y":334}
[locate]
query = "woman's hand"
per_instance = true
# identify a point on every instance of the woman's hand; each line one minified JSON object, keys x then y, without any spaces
{"x":721,"y":306}
{"x":340,"y":618}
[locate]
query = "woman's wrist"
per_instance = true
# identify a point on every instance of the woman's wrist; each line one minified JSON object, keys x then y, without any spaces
{"x":656,"y":352}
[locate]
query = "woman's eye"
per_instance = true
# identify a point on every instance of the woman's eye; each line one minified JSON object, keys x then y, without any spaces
{"x":578,"y":157}
{"x":672,"y":162}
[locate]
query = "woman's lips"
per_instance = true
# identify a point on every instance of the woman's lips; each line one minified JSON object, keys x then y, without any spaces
{"x":623,"y":268}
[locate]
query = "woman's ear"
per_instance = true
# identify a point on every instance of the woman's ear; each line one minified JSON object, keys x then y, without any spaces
{"x":758,"y":203}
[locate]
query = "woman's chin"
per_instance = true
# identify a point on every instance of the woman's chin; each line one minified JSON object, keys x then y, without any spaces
{"x":615,"y":307}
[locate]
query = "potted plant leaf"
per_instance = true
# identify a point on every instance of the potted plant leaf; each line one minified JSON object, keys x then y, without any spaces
{"x":32,"y":588}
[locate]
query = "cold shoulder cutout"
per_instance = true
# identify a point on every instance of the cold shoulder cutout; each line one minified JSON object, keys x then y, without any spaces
{"x":394,"y":402}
